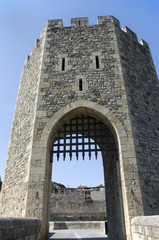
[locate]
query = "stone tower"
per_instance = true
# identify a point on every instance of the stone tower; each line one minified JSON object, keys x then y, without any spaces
{"x":103,"y":73}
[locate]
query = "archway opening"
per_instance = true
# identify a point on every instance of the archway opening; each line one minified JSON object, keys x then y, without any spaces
{"x":78,"y":192}
{"x":86,"y":135}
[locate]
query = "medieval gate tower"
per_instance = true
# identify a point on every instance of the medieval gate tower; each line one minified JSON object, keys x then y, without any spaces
{"x":97,"y":82}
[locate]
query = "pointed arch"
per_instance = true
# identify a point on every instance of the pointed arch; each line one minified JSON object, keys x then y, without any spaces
{"x":93,"y":109}
{"x":41,"y":148}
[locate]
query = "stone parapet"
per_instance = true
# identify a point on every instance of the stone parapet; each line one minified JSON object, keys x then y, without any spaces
{"x":77,"y":22}
{"x":84,"y":22}
{"x":77,"y":225}
{"x":145,"y":227}
{"x":19,"y":228}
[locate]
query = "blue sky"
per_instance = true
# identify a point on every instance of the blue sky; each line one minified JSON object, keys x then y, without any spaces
{"x":21,"y":22}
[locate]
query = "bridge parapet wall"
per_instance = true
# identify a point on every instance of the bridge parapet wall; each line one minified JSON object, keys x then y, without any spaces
{"x":145,"y":227}
{"x":77,"y":225}
{"x":20,"y":228}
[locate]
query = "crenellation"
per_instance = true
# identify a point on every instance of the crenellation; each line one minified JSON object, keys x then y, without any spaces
{"x":105,"y":19}
{"x":132,"y":36}
{"x":130,"y":33}
{"x":79,"y":22}
{"x":36,"y":44}
{"x":27,"y":60}
{"x":101,"y":20}
{"x":57,"y":23}
{"x":144,"y":44}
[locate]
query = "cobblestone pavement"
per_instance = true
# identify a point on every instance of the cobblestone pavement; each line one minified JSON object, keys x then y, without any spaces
{"x":78,"y":234}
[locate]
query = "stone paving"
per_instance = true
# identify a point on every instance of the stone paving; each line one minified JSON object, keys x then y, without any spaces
{"x":78,"y":234}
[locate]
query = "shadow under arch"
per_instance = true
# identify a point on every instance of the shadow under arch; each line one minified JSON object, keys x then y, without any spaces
{"x":100,"y":112}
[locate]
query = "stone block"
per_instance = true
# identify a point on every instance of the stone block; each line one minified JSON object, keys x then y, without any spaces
{"x":79,"y":22}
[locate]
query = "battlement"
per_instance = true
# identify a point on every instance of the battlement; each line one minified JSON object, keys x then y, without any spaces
{"x":130,"y":33}
{"x":57,"y":23}
{"x":79,"y":22}
{"x":101,"y":20}
{"x":143,"y":43}
{"x":35,"y":46}
{"x":105,"y":19}
{"x":84,"y":22}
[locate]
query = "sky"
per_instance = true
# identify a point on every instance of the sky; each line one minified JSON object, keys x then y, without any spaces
{"x":21,"y":22}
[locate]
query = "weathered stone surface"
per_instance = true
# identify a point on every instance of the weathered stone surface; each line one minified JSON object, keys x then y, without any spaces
{"x":19,"y":228}
{"x":72,"y":204}
{"x":145,"y":227}
{"x":77,"y":225}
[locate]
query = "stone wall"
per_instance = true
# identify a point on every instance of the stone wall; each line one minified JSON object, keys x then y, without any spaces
{"x":78,"y":225}
{"x":142,"y":88}
{"x":145,"y":227}
{"x":16,"y":175}
{"x":74,"y":204}
{"x":19,"y":228}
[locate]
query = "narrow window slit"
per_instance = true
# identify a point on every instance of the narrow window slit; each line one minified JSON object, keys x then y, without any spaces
{"x":79,"y":23}
{"x":63,"y":64}
{"x":97,"y":62}
{"x":80,"y":85}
